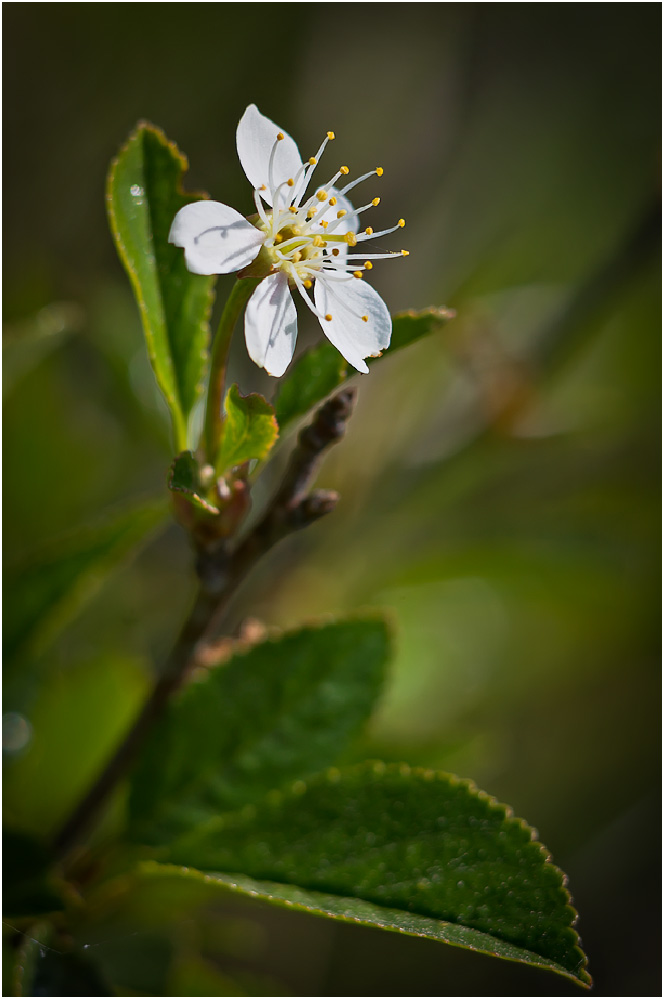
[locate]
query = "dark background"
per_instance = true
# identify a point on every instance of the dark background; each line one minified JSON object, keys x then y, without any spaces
{"x":499,"y":482}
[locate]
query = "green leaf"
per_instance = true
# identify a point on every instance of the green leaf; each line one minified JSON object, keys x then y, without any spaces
{"x":426,"y":844}
{"x":144,"y":193}
{"x":250,"y":429}
{"x":320,"y":370}
{"x":282,"y":710}
{"x":184,"y":478}
{"x":27,"y":888}
{"x":46,"y":590}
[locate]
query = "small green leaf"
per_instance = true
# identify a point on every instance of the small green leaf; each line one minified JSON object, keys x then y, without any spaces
{"x":184,"y":478}
{"x":249,"y":431}
{"x":144,"y":193}
{"x":282,"y":710}
{"x":320,"y":370}
{"x":46,"y":590}
{"x":426,"y":844}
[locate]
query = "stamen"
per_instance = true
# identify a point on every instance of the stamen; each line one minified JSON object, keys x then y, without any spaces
{"x":341,"y":213}
{"x":280,"y":136}
{"x":368,"y":266}
{"x":308,"y":283}
{"x":335,"y":252}
{"x":379,"y":171}
{"x":333,"y":201}
{"x":357,"y":274}
{"x":401,"y":223}
{"x":290,"y":181}
{"x":344,"y":170}
{"x":369,"y":231}
{"x":375,"y":202}
{"x":351,"y":238}
{"x":260,"y":209}
{"x":322,"y":195}
{"x":365,"y":319}
{"x":354,"y":183}
{"x":328,"y":317}
{"x":330,"y":136}
{"x":405,"y":253}
{"x":312,"y":161}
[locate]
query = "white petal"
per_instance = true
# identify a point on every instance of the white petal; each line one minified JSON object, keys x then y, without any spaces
{"x":270,"y":325}
{"x":347,"y":302}
{"x":256,"y":135}
{"x":216,"y":238}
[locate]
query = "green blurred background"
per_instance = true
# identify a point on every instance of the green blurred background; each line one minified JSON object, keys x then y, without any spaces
{"x":500,"y":482}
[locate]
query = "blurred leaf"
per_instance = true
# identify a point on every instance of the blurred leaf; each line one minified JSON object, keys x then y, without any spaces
{"x":249,"y":430}
{"x":144,"y":194}
{"x":426,"y":844}
{"x":282,"y":710}
{"x":80,"y":714}
{"x":43,"y":969}
{"x":26,"y":889}
{"x":320,"y":370}
{"x":44,"y":592}
{"x":184,"y":478}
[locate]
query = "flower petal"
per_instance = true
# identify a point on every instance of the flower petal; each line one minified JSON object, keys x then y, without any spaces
{"x":354,"y":337}
{"x":216,"y":238}
{"x":270,"y":325}
{"x":256,"y":135}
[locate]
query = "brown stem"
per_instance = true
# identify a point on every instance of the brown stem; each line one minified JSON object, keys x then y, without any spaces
{"x":291,"y":508}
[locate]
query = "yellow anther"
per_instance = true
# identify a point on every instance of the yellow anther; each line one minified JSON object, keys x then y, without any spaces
{"x":365,"y":319}
{"x":293,"y":209}
{"x":405,"y":253}
{"x":379,"y":171}
{"x":335,"y":251}
{"x":307,"y":283}
{"x":401,"y":223}
{"x":312,"y":161}
{"x":341,"y":213}
{"x":357,"y":274}
{"x":375,"y":201}
{"x":317,"y":241}
{"x":333,"y":201}
{"x":278,"y":238}
{"x":311,"y":213}
{"x":368,"y":266}
{"x":322,"y":195}
{"x":351,"y":238}
{"x":296,"y":230}
{"x":369,"y":231}
{"x":344,"y":170}
{"x":297,"y":256}
{"x":262,"y":188}
{"x":324,"y":225}
{"x":280,"y":136}
{"x":290,"y":181}
{"x":330,"y":135}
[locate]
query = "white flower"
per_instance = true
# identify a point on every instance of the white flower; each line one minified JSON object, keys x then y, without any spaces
{"x":298,"y":242}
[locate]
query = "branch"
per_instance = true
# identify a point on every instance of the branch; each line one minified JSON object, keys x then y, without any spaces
{"x":291,"y":508}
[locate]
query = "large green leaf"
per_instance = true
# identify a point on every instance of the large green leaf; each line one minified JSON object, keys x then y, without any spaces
{"x":426,"y":844}
{"x":320,"y":370}
{"x":249,"y":430}
{"x":47,"y":589}
{"x":282,"y":710}
{"x":143,"y":196}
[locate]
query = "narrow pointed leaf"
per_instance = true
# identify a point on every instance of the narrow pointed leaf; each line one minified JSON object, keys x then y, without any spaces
{"x":426,"y":844}
{"x":144,"y":194}
{"x":46,"y":590}
{"x":320,"y":370}
{"x":249,"y":432}
{"x":280,"y":711}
